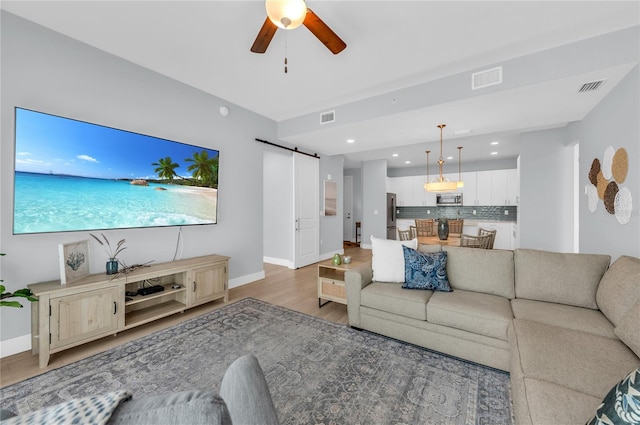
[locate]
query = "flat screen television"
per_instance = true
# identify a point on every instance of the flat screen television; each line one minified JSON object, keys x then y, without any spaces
{"x":73,"y":175}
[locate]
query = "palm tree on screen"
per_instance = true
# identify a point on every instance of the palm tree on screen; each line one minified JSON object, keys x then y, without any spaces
{"x":166,"y":168}
{"x":204,"y":168}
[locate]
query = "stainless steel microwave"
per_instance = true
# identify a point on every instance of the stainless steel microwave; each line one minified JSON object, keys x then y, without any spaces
{"x":454,"y":199}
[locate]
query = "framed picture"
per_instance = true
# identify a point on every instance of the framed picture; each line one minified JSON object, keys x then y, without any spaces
{"x":74,"y":261}
{"x":330,"y":197}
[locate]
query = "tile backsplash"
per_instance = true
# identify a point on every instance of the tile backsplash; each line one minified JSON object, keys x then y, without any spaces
{"x":493,"y":213}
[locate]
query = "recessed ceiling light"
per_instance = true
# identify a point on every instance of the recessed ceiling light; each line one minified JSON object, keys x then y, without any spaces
{"x":458,"y":132}
{"x":407,"y":162}
{"x":494,"y":153}
{"x":495,"y":142}
{"x":350,"y":141}
{"x":449,"y":157}
{"x":394,"y":155}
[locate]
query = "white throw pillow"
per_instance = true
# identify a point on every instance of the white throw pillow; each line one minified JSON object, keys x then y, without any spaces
{"x":387,"y":259}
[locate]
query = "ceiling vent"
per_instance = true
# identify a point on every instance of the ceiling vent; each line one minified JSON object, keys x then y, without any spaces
{"x":486,"y":78}
{"x":327,"y":117}
{"x":591,"y":86}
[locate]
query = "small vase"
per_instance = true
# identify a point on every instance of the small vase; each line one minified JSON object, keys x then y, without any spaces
{"x":443,"y":229}
{"x":112,"y":266}
{"x":337,"y":260}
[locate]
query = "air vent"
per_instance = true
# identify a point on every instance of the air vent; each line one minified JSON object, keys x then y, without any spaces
{"x":486,"y":78}
{"x":591,"y":86}
{"x":327,"y":117}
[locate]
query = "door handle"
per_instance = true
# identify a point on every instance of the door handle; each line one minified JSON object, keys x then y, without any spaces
{"x":115,"y":307}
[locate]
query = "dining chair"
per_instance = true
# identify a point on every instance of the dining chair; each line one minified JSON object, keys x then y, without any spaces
{"x":414,"y":232}
{"x":455,"y":226}
{"x":404,"y":235}
{"x":485,"y":232}
{"x":472,"y":241}
{"x":424,"y":227}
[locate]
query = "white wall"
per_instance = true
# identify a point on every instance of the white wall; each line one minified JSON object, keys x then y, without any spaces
{"x":48,"y":72}
{"x":546,"y":191}
{"x":374,"y":201}
{"x":331,"y":226}
{"x":613,"y":122}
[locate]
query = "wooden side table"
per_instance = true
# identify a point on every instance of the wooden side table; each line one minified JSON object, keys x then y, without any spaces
{"x":331,"y":285}
{"x":358,"y":227}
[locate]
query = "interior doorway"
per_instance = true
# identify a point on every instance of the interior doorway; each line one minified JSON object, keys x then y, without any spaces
{"x":348,"y":223}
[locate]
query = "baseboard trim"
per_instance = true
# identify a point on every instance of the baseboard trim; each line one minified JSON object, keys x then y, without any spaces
{"x":278,"y":261}
{"x":243,"y":280}
{"x":16,"y":345}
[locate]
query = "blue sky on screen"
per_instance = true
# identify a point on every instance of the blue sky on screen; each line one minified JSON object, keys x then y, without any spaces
{"x":51,"y":144}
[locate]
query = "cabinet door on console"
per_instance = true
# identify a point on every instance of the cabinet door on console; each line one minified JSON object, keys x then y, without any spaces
{"x":82,"y":316}
{"x":207,"y":283}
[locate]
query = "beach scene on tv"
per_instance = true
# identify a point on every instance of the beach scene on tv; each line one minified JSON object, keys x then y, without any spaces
{"x":72,"y":175}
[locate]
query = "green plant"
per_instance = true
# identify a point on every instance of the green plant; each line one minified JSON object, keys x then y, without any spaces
{"x":112,"y":253}
{"x":20,"y":293}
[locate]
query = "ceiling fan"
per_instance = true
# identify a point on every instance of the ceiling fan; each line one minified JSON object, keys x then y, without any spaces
{"x":290,"y":14}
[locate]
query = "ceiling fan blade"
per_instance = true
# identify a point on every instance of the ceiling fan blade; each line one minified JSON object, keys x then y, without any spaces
{"x":324,"y":33}
{"x":264,"y":37}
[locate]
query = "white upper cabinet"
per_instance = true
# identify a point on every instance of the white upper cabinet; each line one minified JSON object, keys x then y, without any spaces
{"x":481,"y":188}
{"x":469,"y":189}
{"x":505,"y":187}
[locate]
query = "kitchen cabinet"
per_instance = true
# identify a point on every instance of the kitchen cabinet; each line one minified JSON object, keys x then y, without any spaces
{"x":505,"y":187}
{"x":505,"y":234}
{"x":469,"y":189}
{"x":483,"y":188}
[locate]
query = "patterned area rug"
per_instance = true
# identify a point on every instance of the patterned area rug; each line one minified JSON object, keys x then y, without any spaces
{"x":318,"y":372}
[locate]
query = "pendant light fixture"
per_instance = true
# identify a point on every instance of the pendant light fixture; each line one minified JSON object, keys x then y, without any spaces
{"x":440,"y":183}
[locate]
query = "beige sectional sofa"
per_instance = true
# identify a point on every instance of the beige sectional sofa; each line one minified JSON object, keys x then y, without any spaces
{"x":564,"y":325}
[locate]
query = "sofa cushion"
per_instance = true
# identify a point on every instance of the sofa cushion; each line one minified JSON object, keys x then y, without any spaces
{"x":629,"y":328}
{"x":392,"y":298}
{"x":622,"y":404}
{"x":245,"y":390}
{"x":584,"y":362}
{"x":95,"y":410}
{"x":481,"y":270}
{"x":619,"y":288}
{"x":387,"y":259}
{"x":483,"y":314}
{"x":425,"y":270}
{"x":570,"y":279}
{"x":565,"y":316}
{"x":186,"y":407}
{"x":550,"y":403}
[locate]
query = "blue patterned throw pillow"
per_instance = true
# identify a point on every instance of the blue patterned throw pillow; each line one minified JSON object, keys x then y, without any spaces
{"x":621,"y":405}
{"x":424,"y":270}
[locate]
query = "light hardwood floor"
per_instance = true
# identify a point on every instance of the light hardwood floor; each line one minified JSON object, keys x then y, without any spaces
{"x":293,"y":289}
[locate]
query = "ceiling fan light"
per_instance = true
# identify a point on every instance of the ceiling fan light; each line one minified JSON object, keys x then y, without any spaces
{"x":286,"y":14}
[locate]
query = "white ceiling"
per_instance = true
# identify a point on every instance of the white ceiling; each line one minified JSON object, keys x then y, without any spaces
{"x":391,"y":46}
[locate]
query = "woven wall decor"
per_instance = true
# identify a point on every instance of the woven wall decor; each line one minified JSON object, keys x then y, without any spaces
{"x":593,"y":172}
{"x":620,"y":165}
{"x":605,"y":178}
{"x":610,"y":196}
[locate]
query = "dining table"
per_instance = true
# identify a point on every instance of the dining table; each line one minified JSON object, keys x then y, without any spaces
{"x":452,"y":240}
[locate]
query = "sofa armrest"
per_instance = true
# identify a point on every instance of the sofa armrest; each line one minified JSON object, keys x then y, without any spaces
{"x":355,"y":280}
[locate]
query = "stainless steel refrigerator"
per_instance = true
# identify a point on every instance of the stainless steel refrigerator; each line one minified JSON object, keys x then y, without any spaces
{"x":391,"y":216}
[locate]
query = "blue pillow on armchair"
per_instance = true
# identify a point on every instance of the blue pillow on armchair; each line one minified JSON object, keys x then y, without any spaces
{"x":425,"y":270}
